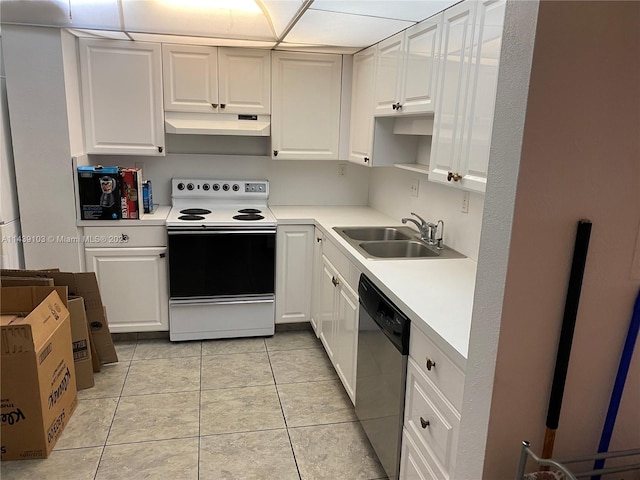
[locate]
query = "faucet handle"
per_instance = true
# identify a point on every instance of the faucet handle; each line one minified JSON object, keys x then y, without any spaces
{"x":440,"y":239}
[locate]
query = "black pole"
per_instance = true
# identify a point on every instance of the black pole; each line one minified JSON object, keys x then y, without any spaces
{"x":566,"y":334}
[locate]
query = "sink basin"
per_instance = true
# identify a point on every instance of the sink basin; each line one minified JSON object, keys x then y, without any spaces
{"x":399,"y":249}
{"x":392,"y":243}
{"x":377,"y":233}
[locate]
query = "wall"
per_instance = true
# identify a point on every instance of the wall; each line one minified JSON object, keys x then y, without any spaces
{"x":579,"y":159}
{"x":290,"y":182}
{"x":389,"y":193}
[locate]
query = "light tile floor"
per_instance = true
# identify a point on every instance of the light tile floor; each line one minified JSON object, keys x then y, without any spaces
{"x":254,"y":408}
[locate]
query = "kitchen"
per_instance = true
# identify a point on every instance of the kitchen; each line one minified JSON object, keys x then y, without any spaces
{"x":529,"y":326}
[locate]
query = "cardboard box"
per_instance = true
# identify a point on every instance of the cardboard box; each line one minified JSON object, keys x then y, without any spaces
{"x":99,"y":193}
{"x":132,"y":206}
{"x":82,"y":359}
{"x":37,"y":390}
{"x":25,"y":282}
{"x":83,"y":285}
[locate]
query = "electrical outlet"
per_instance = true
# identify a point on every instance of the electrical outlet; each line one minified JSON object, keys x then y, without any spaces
{"x":342,"y":169}
{"x":465,"y":202}
{"x":414,"y":187}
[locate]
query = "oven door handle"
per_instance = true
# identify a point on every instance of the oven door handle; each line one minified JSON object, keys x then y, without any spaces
{"x":219,"y":232}
{"x":225,"y":301}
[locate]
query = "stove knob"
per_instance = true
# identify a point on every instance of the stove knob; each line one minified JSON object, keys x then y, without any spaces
{"x":181,"y":186}
{"x":206,"y":187}
{"x":236,"y":187}
{"x":190,"y":186}
{"x":225,"y":187}
{"x":216,"y":187}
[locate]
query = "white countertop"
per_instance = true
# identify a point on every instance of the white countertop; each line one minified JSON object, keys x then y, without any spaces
{"x":158,"y":217}
{"x":436,"y":294}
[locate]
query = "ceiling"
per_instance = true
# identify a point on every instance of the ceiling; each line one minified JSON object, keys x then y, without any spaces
{"x":336,"y":26}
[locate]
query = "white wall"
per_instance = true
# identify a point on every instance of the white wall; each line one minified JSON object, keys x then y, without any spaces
{"x":579,"y":158}
{"x":290,"y":182}
{"x":389,"y":193}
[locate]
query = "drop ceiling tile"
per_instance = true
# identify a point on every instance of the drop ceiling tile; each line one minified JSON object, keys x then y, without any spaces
{"x":281,"y":12}
{"x":297,"y":47}
{"x":178,"y":18}
{"x":410,"y":10}
{"x":330,"y":28}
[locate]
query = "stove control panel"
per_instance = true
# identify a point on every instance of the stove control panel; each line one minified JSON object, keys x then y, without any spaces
{"x":192,"y":188}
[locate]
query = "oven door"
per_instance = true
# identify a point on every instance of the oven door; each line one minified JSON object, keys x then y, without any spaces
{"x":211,"y":263}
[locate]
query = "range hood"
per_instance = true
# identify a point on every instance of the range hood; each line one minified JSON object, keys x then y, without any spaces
{"x":186,"y":123}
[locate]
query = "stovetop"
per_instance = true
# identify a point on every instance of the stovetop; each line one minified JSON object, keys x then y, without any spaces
{"x":215,"y":203}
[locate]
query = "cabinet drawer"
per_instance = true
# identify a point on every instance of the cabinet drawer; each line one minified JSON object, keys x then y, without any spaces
{"x":413,"y":466}
{"x":441,"y":370}
{"x":431,"y":419}
{"x":125,"y":236}
{"x":339,"y":260}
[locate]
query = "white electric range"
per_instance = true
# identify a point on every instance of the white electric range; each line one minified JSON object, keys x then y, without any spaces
{"x":222,"y":244}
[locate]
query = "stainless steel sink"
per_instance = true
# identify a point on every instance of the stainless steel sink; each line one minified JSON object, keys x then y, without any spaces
{"x":398,"y":249}
{"x":392,"y":243}
{"x":377,"y":233}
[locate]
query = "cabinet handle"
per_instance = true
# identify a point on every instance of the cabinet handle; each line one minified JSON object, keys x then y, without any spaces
{"x":214,"y":105}
{"x":366,"y":159}
{"x":163,"y":255}
{"x":424,"y":423}
{"x":275,"y":153}
{"x":319,"y":239}
{"x":335,"y":281}
{"x":223,"y":105}
{"x":454,"y":176}
{"x":160,"y":149}
{"x":430,"y":364}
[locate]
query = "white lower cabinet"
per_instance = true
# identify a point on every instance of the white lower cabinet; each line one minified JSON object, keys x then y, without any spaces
{"x":316,"y":281}
{"x":432,"y":417}
{"x":336,"y":312}
{"x":132,"y":277}
{"x":294,"y":263}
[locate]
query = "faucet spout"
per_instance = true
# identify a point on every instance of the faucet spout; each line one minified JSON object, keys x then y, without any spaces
{"x":405,"y":220}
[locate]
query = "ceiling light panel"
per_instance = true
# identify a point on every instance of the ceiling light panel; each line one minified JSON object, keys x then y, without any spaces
{"x":281,"y":12}
{"x":202,"y":19}
{"x":318,"y":27}
{"x":409,"y":10}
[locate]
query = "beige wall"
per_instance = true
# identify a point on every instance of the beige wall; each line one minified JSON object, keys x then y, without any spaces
{"x":580,"y":159}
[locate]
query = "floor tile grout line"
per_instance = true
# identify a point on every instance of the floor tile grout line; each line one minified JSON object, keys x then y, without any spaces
{"x":199,"y":414}
{"x":115,"y":412}
{"x":284,"y":418}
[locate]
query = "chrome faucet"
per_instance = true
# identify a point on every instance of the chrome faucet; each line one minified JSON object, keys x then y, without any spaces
{"x":428,"y":230}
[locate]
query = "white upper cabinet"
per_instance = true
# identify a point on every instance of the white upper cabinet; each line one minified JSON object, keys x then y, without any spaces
{"x":190,"y":75}
{"x":122,"y":97}
{"x":363,"y":91}
{"x":407,"y":70}
{"x":305,"y":120}
{"x":471,"y":42}
{"x":422,"y":57}
{"x":389,"y":74}
{"x":216,"y":80}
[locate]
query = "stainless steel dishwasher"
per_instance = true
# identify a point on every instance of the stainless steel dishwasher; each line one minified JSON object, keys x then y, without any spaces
{"x":383,"y":347}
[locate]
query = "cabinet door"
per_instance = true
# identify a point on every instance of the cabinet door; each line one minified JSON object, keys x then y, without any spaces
{"x":347,"y":337}
{"x":327,"y":308}
{"x":412,"y":465}
{"x":190,"y":75}
{"x":421,"y":66}
{"x":305,"y":120}
{"x":122,"y":97}
{"x":485,"y":58}
{"x":452,"y":113}
{"x":294,"y":261}
{"x":244,"y":77}
{"x":388,"y":74}
{"x":363,"y":92}
{"x":316,"y":284}
{"x":133,"y":286}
